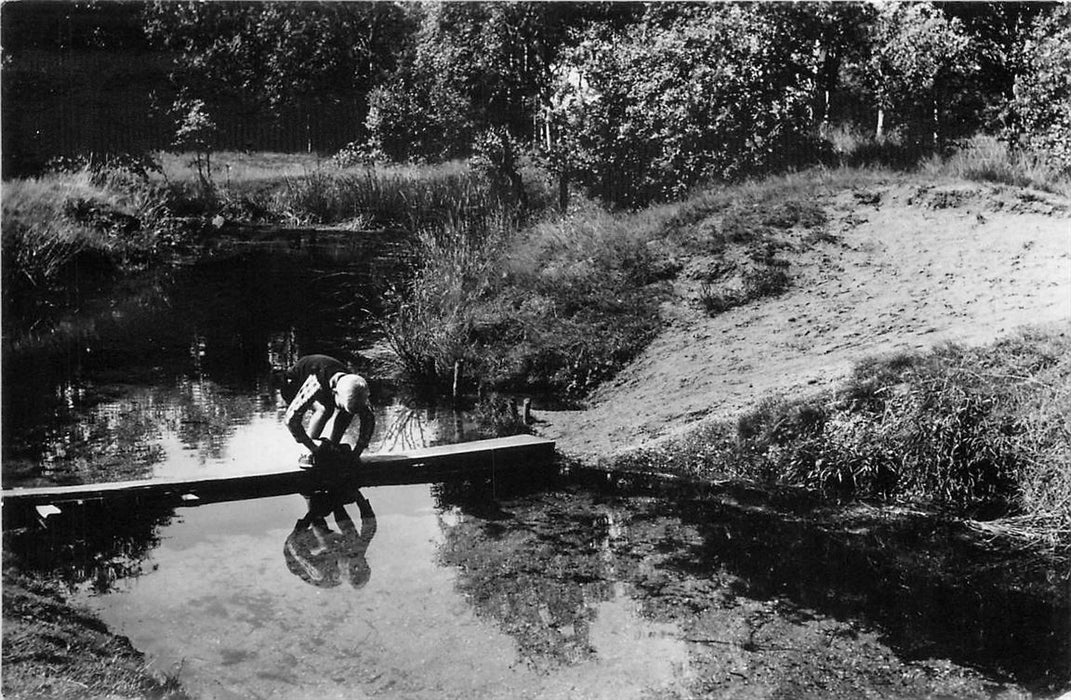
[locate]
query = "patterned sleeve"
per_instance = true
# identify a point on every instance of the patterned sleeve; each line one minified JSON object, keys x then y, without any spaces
{"x":301,"y":402}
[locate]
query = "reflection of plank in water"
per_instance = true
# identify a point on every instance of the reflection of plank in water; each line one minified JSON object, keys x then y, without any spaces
{"x":425,"y":465}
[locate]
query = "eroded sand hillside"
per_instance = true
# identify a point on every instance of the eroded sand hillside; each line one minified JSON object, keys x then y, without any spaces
{"x":906,"y":267}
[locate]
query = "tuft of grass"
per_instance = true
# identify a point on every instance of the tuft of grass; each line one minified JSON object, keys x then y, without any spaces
{"x":432,"y":324}
{"x":987,"y":159}
{"x":556,"y":306}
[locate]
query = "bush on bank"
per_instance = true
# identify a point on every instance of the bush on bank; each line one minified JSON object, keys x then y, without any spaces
{"x":983,"y":431}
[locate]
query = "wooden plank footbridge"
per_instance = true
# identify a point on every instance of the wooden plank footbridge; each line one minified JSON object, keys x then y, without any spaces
{"x":508,"y":456}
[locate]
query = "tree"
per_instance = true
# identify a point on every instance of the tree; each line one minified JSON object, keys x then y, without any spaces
{"x":836,"y":32}
{"x":489,"y":64}
{"x":917,"y":55}
{"x":688,"y":94}
{"x":1041,"y":107}
{"x":275,"y":54}
{"x":997,"y":31}
{"x":195,"y":131}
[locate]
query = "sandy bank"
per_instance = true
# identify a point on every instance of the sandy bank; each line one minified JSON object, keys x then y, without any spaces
{"x":906,"y":268}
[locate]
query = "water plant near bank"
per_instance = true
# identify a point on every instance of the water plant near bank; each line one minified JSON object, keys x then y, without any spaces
{"x":557,"y":306}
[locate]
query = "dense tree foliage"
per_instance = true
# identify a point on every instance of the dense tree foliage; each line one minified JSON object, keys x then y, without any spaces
{"x":638,"y":101}
{"x":1041,"y":106}
{"x":271,"y":55}
{"x":473,"y":67}
{"x":277,"y":52}
{"x":917,"y":54}
{"x":685,"y":95}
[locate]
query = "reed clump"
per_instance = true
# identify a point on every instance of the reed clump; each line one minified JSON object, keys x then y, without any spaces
{"x":555,"y":307}
{"x":385,"y":197}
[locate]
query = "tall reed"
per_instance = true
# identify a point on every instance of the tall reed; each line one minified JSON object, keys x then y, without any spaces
{"x":383,"y":197}
{"x":432,"y":327}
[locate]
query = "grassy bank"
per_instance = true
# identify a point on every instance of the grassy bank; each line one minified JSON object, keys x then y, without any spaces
{"x":52,"y":650}
{"x":982,"y":432}
{"x":96,"y":220}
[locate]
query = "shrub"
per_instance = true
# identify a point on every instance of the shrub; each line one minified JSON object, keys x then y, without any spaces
{"x":1041,"y":107}
{"x":963,"y":427}
{"x":670,"y":103}
{"x":765,"y":282}
{"x":715,"y":301}
{"x":419,"y":115}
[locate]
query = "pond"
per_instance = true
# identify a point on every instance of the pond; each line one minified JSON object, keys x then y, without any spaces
{"x":566,"y":585}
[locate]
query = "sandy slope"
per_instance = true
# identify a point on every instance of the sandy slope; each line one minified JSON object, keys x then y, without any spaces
{"x":911,"y":267}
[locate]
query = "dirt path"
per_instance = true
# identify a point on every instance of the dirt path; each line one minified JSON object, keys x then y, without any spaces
{"x":911,"y":267}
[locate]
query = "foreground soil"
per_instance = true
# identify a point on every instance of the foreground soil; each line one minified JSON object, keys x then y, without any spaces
{"x":900,"y":268}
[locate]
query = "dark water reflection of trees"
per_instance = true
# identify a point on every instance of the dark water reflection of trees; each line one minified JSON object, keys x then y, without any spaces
{"x":95,"y":545}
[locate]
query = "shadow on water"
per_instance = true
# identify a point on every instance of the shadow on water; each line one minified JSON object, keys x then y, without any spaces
{"x":931,"y":589}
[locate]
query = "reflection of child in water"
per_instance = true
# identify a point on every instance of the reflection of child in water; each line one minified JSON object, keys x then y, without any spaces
{"x":321,"y":556}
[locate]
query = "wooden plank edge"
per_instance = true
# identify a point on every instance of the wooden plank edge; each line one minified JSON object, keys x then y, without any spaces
{"x":421,"y":466}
